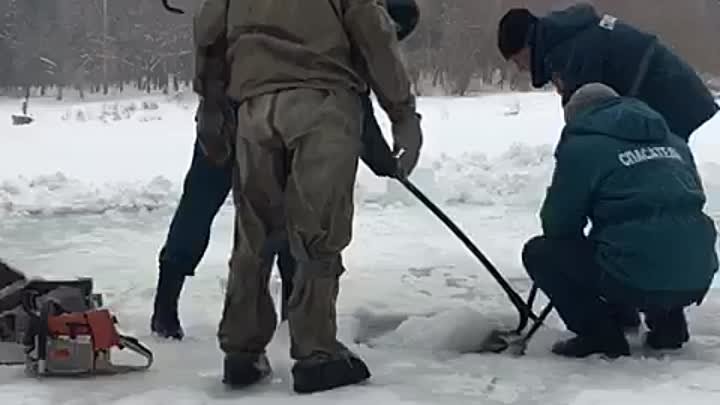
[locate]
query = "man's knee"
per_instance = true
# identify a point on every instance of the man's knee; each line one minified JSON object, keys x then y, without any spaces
{"x":331,"y":268}
{"x":535,"y":253}
{"x":320,"y":212}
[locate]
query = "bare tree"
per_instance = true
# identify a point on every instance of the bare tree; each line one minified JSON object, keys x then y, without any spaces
{"x":96,"y":45}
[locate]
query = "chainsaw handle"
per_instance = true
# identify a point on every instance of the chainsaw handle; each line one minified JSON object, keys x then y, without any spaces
{"x":28,"y":300}
{"x":43,"y":329}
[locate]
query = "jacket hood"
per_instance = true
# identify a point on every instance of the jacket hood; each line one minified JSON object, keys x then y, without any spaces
{"x":622,"y":118}
{"x":561,"y":25}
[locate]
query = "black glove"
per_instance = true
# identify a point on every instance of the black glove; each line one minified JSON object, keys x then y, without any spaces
{"x":408,"y":137}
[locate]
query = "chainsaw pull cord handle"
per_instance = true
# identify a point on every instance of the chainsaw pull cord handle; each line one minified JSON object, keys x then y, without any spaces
{"x":28,"y":300}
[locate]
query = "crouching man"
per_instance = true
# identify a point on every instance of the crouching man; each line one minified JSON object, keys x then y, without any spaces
{"x":650,"y":247}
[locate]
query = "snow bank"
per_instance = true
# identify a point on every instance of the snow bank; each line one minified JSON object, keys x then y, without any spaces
{"x":57,"y":194}
{"x":142,"y":111}
{"x":132,"y":154}
{"x":459,"y":330}
{"x":516,"y":177}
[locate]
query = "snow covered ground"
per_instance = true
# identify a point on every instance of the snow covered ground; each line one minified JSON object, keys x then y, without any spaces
{"x":88,"y":190}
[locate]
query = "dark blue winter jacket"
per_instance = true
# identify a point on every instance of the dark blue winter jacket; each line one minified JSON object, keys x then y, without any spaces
{"x":582,"y":47}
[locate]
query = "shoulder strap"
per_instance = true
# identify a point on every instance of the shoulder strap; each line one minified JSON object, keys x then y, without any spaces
{"x":642,"y":69}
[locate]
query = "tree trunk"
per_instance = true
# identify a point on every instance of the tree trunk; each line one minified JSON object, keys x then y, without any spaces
{"x":436,"y":77}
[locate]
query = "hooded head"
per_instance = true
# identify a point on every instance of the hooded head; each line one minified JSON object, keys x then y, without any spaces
{"x":596,"y":109}
{"x":587,"y":96}
{"x":405,"y":14}
{"x":513,"y":34}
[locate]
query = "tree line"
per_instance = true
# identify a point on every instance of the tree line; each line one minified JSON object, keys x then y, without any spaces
{"x":98,"y":45}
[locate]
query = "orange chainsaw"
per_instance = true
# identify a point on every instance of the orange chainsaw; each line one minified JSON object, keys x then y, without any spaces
{"x":68,"y":337}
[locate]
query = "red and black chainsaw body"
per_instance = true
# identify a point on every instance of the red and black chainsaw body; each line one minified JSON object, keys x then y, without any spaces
{"x":69,"y":333}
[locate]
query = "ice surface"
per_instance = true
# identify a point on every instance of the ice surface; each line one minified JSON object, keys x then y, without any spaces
{"x":693,"y":387}
{"x":88,"y":190}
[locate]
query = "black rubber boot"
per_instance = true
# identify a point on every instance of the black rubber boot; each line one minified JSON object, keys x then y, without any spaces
{"x":243,"y":369}
{"x":668,"y":329}
{"x":582,"y":346}
{"x":165,"y":321}
{"x":323,"y":372}
{"x":627,"y":318}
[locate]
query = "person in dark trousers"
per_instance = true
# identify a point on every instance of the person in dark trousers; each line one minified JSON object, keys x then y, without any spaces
{"x":205,"y":189}
{"x":650,"y":246}
{"x":576,"y":45}
{"x":208,"y":182}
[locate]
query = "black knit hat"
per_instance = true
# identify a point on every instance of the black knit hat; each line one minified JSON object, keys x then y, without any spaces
{"x":406,"y":14}
{"x":513,"y":31}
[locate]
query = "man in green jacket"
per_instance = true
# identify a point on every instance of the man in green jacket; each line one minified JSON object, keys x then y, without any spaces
{"x":650,"y":247}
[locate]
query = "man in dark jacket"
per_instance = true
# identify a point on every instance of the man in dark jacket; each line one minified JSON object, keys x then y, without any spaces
{"x":208,"y":182}
{"x":650,"y":247}
{"x":576,"y":46}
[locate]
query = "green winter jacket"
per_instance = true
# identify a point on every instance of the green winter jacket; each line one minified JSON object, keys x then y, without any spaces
{"x":619,"y":166}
